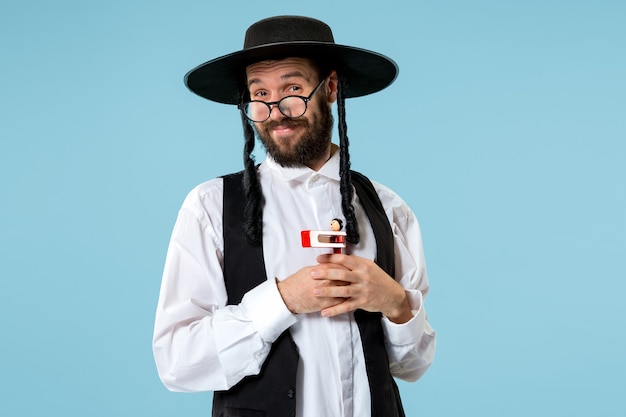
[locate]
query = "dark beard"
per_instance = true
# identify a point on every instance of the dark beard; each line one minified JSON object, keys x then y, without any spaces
{"x":311,"y":146}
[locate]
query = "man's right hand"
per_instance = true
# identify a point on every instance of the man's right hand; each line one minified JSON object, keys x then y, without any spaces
{"x":297,"y":292}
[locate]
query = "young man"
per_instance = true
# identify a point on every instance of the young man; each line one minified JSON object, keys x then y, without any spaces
{"x":273,"y":328}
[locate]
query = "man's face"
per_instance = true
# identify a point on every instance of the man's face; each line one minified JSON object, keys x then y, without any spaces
{"x":299,"y":141}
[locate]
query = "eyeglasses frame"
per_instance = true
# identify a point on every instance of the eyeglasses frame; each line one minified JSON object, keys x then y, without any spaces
{"x":269,"y":104}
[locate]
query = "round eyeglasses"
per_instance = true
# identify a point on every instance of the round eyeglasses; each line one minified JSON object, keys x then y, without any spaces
{"x":290,"y":106}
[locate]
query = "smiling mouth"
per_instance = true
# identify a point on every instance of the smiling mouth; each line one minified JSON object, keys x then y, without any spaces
{"x":284,"y":127}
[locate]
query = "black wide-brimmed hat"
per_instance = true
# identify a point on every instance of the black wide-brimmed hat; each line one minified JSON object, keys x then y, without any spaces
{"x":222,"y":79}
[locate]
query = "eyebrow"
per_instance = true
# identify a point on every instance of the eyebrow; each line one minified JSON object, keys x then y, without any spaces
{"x":283,"y":77}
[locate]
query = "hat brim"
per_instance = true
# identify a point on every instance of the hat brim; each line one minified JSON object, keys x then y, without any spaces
{"x":222,"y":79}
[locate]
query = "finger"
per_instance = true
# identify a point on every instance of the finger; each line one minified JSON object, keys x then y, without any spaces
{"x":336,"y":291}
{"x":328,"y":265}
{"x":332,"y":274}
{"x":340,"y":308}
{"x":347,"y":261}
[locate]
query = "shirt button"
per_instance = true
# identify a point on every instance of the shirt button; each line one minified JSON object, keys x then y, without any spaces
{"x":291,"y":393}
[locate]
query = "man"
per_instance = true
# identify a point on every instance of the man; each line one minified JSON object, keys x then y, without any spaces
{"x":275,"y":329}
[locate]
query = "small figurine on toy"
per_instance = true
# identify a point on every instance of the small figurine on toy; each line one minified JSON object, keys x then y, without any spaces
{"x":334,"y":238}
{"x":336,"y":225}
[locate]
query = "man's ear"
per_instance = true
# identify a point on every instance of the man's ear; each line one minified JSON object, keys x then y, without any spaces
{"x":332,"y":86}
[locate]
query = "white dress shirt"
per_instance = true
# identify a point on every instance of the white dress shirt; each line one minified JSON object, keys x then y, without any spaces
{"x":200,"y":344}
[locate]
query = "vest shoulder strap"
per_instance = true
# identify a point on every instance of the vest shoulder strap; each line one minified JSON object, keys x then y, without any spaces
{"x":378,"y":219}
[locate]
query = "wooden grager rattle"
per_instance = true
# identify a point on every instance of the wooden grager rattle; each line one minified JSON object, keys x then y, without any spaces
{"x":334,"y":238}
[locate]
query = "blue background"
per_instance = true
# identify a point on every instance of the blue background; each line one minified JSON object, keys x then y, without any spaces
{"x":505,"y":132}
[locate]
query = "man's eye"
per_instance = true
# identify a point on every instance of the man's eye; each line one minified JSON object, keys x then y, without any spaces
{"x":260,"y":94}
{"x":294,"y":89}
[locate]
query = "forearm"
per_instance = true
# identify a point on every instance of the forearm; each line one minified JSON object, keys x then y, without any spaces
{"x":186,"y":354}
{"x":198,"y":349}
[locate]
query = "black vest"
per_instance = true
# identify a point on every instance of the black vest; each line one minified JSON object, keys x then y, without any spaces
{"x":272,"y":393}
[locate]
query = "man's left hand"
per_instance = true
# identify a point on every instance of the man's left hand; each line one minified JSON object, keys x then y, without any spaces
{"x":368,"y":287}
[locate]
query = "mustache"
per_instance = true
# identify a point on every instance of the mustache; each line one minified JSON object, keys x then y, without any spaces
{"x":272,"y":124}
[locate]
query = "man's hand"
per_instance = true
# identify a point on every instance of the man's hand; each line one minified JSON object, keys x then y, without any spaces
{"x":298,"y":292}
{"x":364,"y":285}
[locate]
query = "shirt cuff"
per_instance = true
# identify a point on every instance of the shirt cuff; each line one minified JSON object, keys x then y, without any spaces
{"x":267,"y":311}
{"x":411,"y":331}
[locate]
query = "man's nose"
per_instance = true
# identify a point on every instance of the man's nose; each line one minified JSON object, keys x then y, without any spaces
{"x":275,"y":113}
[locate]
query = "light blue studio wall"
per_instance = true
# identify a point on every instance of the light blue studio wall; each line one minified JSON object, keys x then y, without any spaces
{"x":504,"y":132}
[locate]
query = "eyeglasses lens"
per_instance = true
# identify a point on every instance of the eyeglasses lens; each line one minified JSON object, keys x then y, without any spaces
{"x":289,"y":106}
